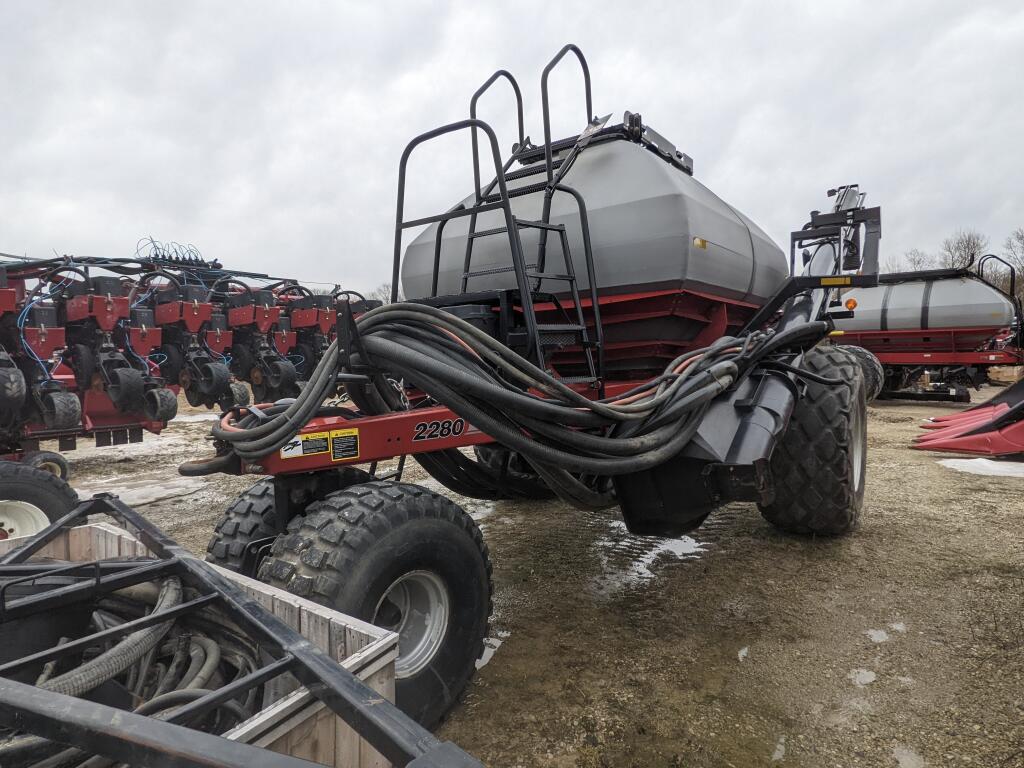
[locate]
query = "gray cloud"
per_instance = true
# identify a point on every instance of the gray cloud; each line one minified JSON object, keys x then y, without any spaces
{"x":268,"y":134}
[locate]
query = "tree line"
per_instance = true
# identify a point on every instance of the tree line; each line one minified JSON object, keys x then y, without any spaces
{"x":963,"y":249}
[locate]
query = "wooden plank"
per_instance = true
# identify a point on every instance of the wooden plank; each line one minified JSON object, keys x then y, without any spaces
{"x":369,"y":757}
{"x":81,"y":543}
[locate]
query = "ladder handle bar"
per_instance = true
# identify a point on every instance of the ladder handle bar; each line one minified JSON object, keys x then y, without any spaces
{"x":1005,"y":263}
{"x":472,"y":114}
{"x":471,"y":123}
{"x":544,"y":98}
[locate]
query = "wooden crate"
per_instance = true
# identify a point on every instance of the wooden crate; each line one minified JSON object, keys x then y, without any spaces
{"x":292,"y":722}
{"x":1006,"y":374}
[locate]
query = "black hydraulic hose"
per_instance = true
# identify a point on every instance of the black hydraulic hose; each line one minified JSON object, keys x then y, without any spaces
{"x":212,"y":652}
{"x":173,"y":674}
{"x":122,"y":655}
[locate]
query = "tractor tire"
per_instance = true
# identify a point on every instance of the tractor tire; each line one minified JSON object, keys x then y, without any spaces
{"x":501,"y":460}
{"x":281,"y":379}
{"x":31,"y":499}
{"x":174,"y":362}
{"x":83,"y":363}
{"x":48,"y":461}
{"x":12,"y":390}
{"x":160,"y":404}
{"x":871,"y":367}
{"x":126,"y":390}
{"x":406,"y":559}
{"x":239,"y":395}
{"x":214,"y":379}
{"x":818,"y":464}
{"x":61,"y":410}
{"x":252,"y":515}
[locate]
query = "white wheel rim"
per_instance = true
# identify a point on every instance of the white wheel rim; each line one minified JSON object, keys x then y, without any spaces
{"x":416,"y":606}
{"x":857,"y":449}
{"x":49,"y":466}
{"x":19,"y":518}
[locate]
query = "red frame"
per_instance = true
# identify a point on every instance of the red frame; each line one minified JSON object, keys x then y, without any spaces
{"x":387,"y":436}
{"x":935,"y":346}
{"x":106,"y":310}
{"x":264,"y":318}
{"x":191,"y":315}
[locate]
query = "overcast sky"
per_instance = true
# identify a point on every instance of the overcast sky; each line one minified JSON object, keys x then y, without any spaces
{"x":268,"y":134}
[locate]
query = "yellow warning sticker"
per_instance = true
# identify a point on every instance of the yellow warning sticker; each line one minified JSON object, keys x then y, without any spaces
{"x":344,"y":444}
{"x":835,"y":281}
{"x":306,"y":445}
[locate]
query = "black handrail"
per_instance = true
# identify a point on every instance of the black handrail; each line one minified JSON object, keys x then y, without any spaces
{"x":1013,"y":272}
{"x":472,"y":114}
{"x":503,"y":203}
{"x":544,"y":99}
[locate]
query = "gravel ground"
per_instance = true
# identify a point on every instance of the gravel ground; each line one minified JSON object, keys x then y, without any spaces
{"x":900,"y":645}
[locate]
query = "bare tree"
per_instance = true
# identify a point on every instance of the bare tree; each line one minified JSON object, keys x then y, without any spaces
{"x":1013,"y":252}
{"x":963,"y":248}
{"x":383,"y":293}
{"x":1013,"y":249}
{"x":891,"y":263}
{"x":916,"y":260}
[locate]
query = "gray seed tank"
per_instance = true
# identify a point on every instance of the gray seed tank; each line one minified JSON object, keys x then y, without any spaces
{"x":652,"y":225}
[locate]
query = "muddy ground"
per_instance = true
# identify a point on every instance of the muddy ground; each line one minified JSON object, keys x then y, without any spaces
{"x":900,"y":645}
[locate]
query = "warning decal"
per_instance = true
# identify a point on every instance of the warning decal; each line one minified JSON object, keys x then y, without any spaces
{"x":306,"y":445}
{"x":344,"y":444}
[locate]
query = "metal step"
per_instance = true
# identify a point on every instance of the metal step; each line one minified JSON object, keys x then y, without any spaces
{"x":527,"y":189}
{"x":560,"y":327}
{"x":532,"y":170}
{"x":495,"y":271}
{"x":549,"y":276}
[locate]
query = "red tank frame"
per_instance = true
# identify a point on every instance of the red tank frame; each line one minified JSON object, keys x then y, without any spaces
{"x":936,"y":346}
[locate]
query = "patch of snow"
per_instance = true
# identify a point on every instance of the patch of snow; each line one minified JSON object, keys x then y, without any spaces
{"x":491,"y":645}
{"x":780,"y":750}
{"x":985,"y":467}
{"x":898,"y":626}
{"x":189,"y":418}
{"x":877,"y":635}
{"x":146,"y":489}
{"x":907,"y":758}
{"x":743,"y":652}
{"x":628,"y":559}
{"x":862,"y":677}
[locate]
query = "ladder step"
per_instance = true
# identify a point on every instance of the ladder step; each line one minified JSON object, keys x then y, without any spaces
{"x":527,"y":189}
{"x":488,"y":232}
{"x":540,"y":225}
{"x":549,"y":276}
{"x":532,"y":170}
{"x":560,"y":328}
{"x":495,"y":271}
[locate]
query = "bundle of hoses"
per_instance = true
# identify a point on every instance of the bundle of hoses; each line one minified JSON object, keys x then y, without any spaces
{"x":155,"y":670}
{"x":569,"y":439}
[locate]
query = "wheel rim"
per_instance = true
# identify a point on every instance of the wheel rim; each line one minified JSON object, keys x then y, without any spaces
{"x":857,"y":449}
{"x":19,"y":518}
{"x":48,"y":466}
{"x":416,"y":606}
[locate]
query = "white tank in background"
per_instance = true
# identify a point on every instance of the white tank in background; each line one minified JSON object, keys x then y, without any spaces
{"x":949,"y":302}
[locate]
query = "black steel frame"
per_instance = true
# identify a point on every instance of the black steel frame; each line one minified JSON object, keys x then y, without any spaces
{"x":486,"y":199}
{"x":137,"y":739}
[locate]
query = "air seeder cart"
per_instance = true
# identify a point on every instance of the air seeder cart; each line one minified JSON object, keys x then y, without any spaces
{"x":937,"y":332}
{"x":591,"y":323}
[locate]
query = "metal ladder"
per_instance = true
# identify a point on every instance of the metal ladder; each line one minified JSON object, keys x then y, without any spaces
{"x":574,"y":330}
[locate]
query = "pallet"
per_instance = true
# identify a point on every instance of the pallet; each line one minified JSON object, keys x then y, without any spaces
{"x":292,"y":721}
